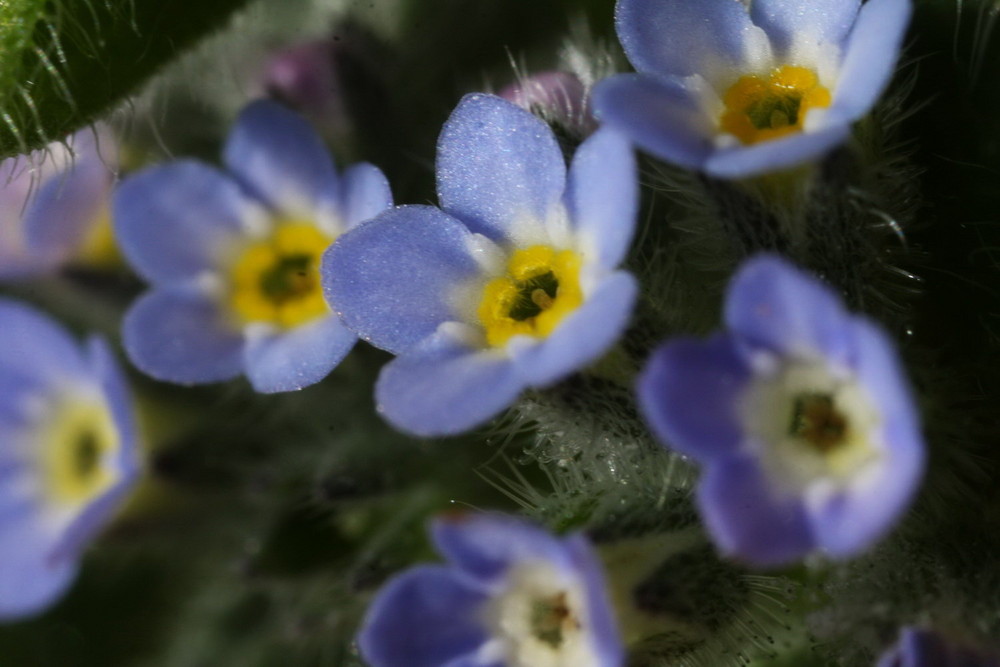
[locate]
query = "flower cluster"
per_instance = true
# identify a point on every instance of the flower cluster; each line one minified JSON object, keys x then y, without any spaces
{"x":798,"y":412}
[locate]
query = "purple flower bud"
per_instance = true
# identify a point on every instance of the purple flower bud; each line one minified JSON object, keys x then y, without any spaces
{"x":559,"y":96}
{"x":303,"y":77}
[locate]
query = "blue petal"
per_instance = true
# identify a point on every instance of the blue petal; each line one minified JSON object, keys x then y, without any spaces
{"x":424,"y":617}
{"x":883,"y":377}
{"x":602,"y":196}
{"x":277,"y":155}
{"x":67,"y":207}
{"x":178,"y":335}
{"x":870,"y":56}
{"x":484,"y":545}
{"x":18,"y":261}
{"x":776,"y":154}
{"x":392,"y":278}
{"x":923,"y":648}
{"x":581,"y":338}
{"x":119,"y":401}
{"x":18,"y":476}
{"x":658,"y":114}
{"x":174,"y":221}
{"x":444,"y":387}
{"x":851,"y":520}
{"x":745,"y":521}
{"x":33,"y":347}
{"x":364,"y":192}
{"x":30,"y":580}
{"x":689,"y":394}
{"x":607,"y":644}
{"x":498,"y":165}
{"x":865,"y":510}
{"x":823,"y":21}
{"x":92,"y":520}
{"x":681,"y":37}
{"x":297,"y":358}
{"x":773,"y":304}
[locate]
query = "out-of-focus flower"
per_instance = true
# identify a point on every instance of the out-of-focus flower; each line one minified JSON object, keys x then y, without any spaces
{"x":512,"y":285}
{"x":918,"y":647}
{"x":234,"y":258}
{"x":555,"y":96}
{"x":511,"y":594}
{"x":800,"y":414}
{"x":738,"y":89}
{"x":54,"y":205}
{"x":336,"y":82}
{"x":302,"y":76}
{"x":68,"y":455}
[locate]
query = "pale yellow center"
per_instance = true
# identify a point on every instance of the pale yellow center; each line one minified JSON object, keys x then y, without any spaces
{"x":540,"y":288}
{"x":814,"y":425}
{"x":98,"y":247}
{"x":539,"y":620}
{"x":763,"y":108}
{"x":78,"y":444}
{"x":277,"y":281}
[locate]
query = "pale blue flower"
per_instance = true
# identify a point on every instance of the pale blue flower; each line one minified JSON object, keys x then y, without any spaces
{"x":800,"y":414}
{"x":68,"y":455}
{"x":511,"y":595}
{"x":511,"y":284}
{"x":737,"y":89}
{"x":234,"y":257}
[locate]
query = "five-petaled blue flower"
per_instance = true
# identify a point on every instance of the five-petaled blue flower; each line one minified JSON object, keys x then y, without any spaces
{"x":68,"y":455}
{"x":918,"y":647}
{"x":234,"y":259}
{"x":54,"y":205}
{"x":511,"y":285}
{"x":511,"y":595}
{"x":800,"y":414}
{"x":737,"y":89}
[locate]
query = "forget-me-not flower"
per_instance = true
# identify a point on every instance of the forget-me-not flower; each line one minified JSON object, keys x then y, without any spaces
{"x":54,"y":205}
{"x":234,"y":258}
{"x":511,"y":595}
{"x":511,"y":284}
{"x":68,"y":455}
{"x":738,"y":89}
{"x":800,"y":414}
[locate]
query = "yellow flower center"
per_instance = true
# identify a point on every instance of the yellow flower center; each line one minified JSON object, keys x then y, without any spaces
{"x":277,"y":280}
{"x":78,"y":444}
{"x":98,"y":247}
{"x":541,"y":287}
{"x":759,"y":109}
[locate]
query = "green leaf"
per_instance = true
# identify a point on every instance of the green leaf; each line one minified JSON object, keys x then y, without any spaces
{"x":65,"y":63}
